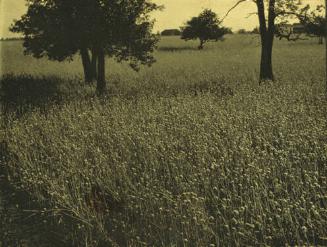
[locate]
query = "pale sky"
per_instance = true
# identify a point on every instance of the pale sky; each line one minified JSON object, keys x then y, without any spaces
{"x":175,"y":14}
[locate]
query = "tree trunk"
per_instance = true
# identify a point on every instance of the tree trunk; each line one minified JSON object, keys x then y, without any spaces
{"x":267,"y":39}
{"x":321,"y":40}
{"x":326,"y":40}
{"x":94,"y":64}
{"x":86,"y":65}
{"x":200,"y":47}
{"x":266,"y":71}
{"x":101,"y":80}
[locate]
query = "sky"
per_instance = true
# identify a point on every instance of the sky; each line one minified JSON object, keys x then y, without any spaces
{"x":174,"y":15}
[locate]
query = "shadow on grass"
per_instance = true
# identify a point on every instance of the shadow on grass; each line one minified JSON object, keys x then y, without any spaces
{"x":20,"y":94}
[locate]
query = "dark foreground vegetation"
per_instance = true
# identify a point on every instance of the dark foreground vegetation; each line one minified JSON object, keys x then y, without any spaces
{"x":191,"y":152}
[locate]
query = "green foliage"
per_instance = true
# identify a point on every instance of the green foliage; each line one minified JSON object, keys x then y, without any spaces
{"x":287,"y":7}
{"x":314,"y":21}
{"x":170,"y":160}
{"x":205,"y":27}
{"x":58,"y":29}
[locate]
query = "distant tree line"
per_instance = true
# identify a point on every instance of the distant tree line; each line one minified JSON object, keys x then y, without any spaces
{"x":171,"y":32}
{"x":11,"y":39}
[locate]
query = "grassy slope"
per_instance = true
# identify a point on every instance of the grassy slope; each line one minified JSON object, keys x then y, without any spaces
{"x":188,"y":152}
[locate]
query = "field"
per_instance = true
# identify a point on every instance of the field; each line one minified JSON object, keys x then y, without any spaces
{"x":189,"y":152}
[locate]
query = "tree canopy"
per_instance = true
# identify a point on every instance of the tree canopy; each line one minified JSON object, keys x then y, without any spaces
{"x":314,"y":22}
{"x":205,"y":27}
{"x":58,"y":29}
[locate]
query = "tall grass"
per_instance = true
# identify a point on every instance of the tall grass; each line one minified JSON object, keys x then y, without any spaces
{"x":190,"y":152}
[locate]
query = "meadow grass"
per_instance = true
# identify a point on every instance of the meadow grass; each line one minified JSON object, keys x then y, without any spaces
{"x":189,"y":152}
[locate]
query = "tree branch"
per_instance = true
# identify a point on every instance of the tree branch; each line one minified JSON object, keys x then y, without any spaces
{"x":232,"y":8}
{"x":251,"y":14}
{"x":262,"y":18}
{"x":271,"y":16}
{"x":290,"y":38}
{"x":299,"y":16}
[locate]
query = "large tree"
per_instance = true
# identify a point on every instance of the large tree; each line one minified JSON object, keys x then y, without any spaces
{"x":205,"y":27}
{"x":58,"y":29}
{"x":270,"y":12}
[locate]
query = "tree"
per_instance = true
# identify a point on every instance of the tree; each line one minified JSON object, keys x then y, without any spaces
{"x":229,"y":30}
{"x":269,"y":13}
{"x":255,"y":30}
{"x":242,"y":31}
{"x":205,"y":27}
{"x":314,"y":22}
{"x":58,"y":29}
